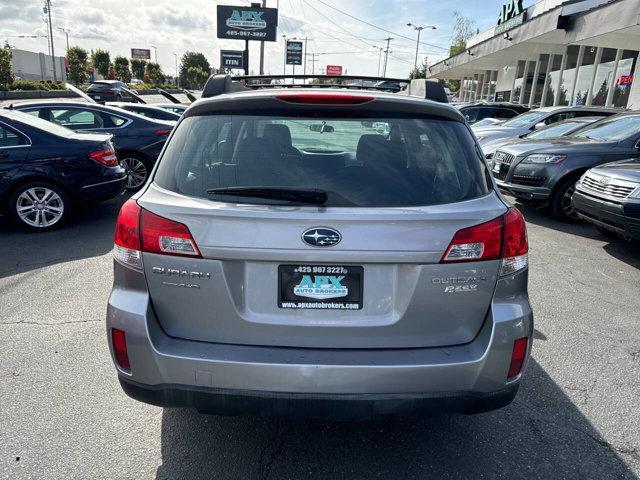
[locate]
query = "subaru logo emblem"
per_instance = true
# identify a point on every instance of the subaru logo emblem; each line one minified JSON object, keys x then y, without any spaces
{"x":604,"y":181}
{"x":321,"y":237}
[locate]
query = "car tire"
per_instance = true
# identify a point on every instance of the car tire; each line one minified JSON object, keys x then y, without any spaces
{"x":137,"y":168}
{"x":39,"y":206}
{"x":561,"y":204}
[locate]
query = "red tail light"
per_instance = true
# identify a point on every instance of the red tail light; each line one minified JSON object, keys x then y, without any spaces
{"x":517,"y":357}
{"x":119,"y":341}
{"x":324,"y":98}
{"x":164,"y":236}
{"x":162,"y":132}
{"x":139,"y":230}
{"x":502,"y":238}
{"x":106,"y":157}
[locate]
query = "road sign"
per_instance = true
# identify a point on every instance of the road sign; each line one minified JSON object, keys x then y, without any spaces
{"x":232,"y":59}
{"x":294,"y":53}
{"x":141,"y":53}
{"x":334,"y":70}
{"x":247,"y":23}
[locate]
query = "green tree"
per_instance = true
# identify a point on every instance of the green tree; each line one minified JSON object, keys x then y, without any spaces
{"x":193,"y":59}
{"x":101,"y":59}
{"x":153,"y":73}
{"x":121,"y":67}
{"x":6,"y":68}
{"x":196,"y":77}
{"x":463,"y":29}
{"x":137,"y":67}
{"x":77,"y":69}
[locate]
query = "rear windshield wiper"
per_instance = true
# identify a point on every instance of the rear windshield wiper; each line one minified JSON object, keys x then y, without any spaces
{"x":311,"y":196}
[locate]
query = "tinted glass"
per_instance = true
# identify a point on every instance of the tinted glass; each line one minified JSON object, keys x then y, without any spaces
{"x":471,"y":114}
{"x":30,"y":119}
{"x":613,"y":129}
{"x":524,"y":120}
{"x":9,"y":138}
{"x":76,"y":118}
{"x":358,"y":162}
{"x":557,"y":130}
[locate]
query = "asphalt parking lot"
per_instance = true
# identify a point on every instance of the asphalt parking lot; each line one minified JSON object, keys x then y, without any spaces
{"x":63,"y":415}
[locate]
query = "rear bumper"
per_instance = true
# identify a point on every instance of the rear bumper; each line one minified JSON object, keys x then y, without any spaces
{"x":105,"y":188}
{"x":623,"y":219}
{"x":343,"y":383}
{"x":300,"y":405}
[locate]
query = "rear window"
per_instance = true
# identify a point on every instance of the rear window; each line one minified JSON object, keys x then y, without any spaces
{"x":362,"y":162}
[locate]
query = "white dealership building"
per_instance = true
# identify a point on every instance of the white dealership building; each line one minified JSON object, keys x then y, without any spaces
{"x":555,"y":52}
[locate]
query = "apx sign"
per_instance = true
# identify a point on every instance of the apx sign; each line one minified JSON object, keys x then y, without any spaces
{"x":247,"y":23}
{"x":511,"y":15}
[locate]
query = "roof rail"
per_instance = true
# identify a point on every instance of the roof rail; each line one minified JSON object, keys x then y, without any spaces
{"x":427,"y":89}
{"x":421,"y":87}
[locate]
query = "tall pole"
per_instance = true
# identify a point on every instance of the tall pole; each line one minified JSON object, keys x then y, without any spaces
{"x":246,"y":57}
{"x":418,"y":47}
{"x":66,"y":32}
{"x":264,"y":4}
{"x":177,"y":72}
{"x":380,"y":50}
{"x":47,"y":6}
{"x":155,"y":52}
{"x":386,"y":56}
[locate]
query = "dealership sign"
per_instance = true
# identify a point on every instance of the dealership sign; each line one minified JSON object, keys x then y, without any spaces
{"x":511,"y":15}
{"x":247,"y":23}
{"x":141,"y":53}
{"x":334,"y":70}
{"x":294,"y":53}
{"x":624,"y":80}
{"x":232,"y":59}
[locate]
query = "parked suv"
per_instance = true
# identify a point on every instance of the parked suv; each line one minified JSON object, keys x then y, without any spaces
{"x":546,"y":171}
{"x":285,"y":258}
{"x":475,"y":112}
{"x":109,"y":91}
{"x":609,"y":197}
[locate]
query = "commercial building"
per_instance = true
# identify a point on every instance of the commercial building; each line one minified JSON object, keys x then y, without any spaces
{"x":37,"y":66}
{"x":555,"y":52}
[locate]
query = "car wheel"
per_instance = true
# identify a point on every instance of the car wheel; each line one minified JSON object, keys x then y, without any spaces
{"x":39,"y":206}
{"x":137,"y":170}
{"x":562,"y":201}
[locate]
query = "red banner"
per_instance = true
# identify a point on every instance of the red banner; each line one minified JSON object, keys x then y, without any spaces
{"x":334,"y":70}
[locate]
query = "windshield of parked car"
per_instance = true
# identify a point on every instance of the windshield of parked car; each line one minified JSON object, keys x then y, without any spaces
{"x":613,"y":129}
{"x":555,"y":130}
{"x":524,"y":120}
{"x":33,"y":120}
{"x":358,"y":162}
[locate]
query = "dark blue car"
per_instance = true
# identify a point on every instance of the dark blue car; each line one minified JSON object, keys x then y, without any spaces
{"x":137,"y":140}
{"x":45,"y":169}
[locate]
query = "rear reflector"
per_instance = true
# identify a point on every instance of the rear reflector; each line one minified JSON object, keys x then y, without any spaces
{"x":517,"y":357}
{"x":106,"y":157}
{"x":164,"y":236}
{"x":503,"y":238}
{"x":119,"y":341}
{"x":324,"y":98}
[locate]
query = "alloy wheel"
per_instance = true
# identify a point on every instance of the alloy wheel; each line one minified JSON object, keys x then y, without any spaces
{"x":136,"y":172}
{"x":567,"y":203}
{"x":40,"y":207}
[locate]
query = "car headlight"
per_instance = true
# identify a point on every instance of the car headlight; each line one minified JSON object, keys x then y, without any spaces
{"x":544,"y":158}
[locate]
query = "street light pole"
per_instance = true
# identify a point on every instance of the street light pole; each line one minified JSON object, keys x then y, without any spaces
{"x":177,"y":73}
{"x":155,"y":51}
{"x":66,"y":31}
{"x":419,"y":30}
{"x":47,"y":10}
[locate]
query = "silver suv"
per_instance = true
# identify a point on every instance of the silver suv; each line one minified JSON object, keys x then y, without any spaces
{"x":286,"y":257}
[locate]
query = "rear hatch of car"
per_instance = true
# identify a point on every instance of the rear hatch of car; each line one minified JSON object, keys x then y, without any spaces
{"x":328,"y":226}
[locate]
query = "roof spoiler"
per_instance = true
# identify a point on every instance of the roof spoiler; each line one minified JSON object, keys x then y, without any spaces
{"x":427,"y":89}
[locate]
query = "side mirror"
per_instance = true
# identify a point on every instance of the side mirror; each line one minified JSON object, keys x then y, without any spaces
{"x":539,"y":126}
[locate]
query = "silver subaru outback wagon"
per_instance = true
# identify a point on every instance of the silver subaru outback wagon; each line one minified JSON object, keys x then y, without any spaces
{"x":320,"y":253}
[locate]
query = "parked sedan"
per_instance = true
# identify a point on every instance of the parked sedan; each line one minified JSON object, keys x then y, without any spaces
{"x":149,"y":111}
{"x":137,"y":140}
{"x":609,"y":197}
{"x":546,"y":172}
{"x":109,"y":91}
{"x":45,"y":169}
{"x":534,"y":120}
{"x":555,"y":130}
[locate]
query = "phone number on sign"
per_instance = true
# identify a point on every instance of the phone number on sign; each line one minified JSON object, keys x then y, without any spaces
{"x":240,"y":33}
{"x":330,"y":270}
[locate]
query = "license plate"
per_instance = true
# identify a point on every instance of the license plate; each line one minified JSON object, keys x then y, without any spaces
{"x":320,"y":287}
{"x":496,"y":167}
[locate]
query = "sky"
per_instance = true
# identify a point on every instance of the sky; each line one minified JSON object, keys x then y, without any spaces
{"x":176,"y":27}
